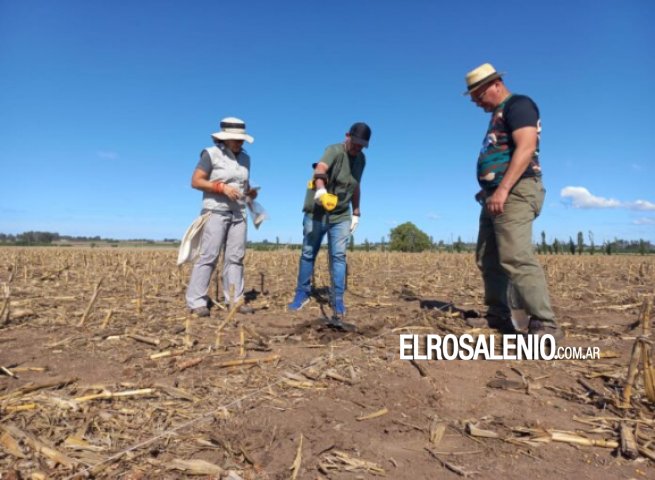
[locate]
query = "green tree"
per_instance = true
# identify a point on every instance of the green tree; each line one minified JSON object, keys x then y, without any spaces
{"x":580,"y":243}
{"x":608,"y":248}
{"x":544,"y":245}
{"x":592,"y":245}
{"x":571,"y":246}
{"x":556,"y":246}
{"x":408,"y":238}
{"x":459,"y":245}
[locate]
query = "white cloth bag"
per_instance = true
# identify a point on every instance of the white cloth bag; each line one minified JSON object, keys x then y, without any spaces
{"x":190,"y":246}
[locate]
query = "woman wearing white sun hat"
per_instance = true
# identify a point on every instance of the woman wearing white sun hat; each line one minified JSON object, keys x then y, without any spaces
{"x":222,"y":174}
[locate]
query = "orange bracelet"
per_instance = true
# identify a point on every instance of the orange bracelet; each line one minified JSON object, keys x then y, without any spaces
{"x":218,"y":187}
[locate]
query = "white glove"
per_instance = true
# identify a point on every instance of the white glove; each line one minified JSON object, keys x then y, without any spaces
{"x":353,"y":223}
{"x":319,"y":193}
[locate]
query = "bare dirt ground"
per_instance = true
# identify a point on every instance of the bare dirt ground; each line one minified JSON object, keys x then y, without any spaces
{"x":107,"y":376}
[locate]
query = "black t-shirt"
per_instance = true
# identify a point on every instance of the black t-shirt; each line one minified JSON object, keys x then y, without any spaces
{"x":520,"y":111}
{"x":516,"y":112}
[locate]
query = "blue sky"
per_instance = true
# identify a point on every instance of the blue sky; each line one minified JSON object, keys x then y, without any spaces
{"x":105,"y":107}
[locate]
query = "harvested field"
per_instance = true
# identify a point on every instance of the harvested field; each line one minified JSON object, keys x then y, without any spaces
{"x":105,"y":375}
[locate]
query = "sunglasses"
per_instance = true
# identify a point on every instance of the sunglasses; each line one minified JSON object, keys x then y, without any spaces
{"x":481,"y":92}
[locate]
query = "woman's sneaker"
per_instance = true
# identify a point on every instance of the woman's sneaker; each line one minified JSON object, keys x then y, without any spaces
{"x":200,"y":312}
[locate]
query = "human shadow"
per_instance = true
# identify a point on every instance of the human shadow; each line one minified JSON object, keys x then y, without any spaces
{"x":448,"y":307}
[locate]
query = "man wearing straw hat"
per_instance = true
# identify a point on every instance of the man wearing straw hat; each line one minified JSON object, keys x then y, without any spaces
{"x":511,"y":196}
{"x":222,"y":174}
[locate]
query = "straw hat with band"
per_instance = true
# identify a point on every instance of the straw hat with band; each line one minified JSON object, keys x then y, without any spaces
{"x":233,"y":128}
{"x":480,"y":76}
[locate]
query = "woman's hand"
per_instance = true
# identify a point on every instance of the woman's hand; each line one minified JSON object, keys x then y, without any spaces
{"x":231,"y":193}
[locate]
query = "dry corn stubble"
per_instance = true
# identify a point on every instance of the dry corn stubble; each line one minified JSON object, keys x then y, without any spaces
{"x":236,"y":388}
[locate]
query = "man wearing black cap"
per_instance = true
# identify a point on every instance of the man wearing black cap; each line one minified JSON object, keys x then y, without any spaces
{"x":337,"y":178}
{"x":511,"y":195}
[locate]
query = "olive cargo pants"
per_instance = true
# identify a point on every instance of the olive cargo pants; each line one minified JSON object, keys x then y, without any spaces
{"x":506,"y":257}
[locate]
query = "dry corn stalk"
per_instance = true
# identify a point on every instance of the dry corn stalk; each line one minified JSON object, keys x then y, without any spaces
{"x":641,"y":351}
{"x":242,"y":341}
{"x":41,"y":447}
{"x":187,"y":332}
{"x":194,"y":467}
{"x":335,"y":376}
{"x":139,"y":296}
{"x":21,"y":408}
{"x":4,"y":312}
{"x":105,"y":322}
{"x":295,"y":467}
{"x":451,"y":466}
{"x":167,"y":353}
{"x":379,"y":413}
{"x":437,"y":430}
{"x":303,"y":384}
{"x":474,"y":431}
{"x":31,"y":387}
{"x":559,"y":436}
{"x":77,"y":443}
{"x":192,"y":362}
{"x":547,"y":436}
{"x":648,"y":370}
{"x":647,"y":452}
{"x":108,"y":395}
{"x":10,"y":445}
{"x":143,"y":339}
{"x":230,"y":314}
{"x":246,"y":361}
{"x":94,"y":297}
{"x":629,"y":447}
{"x":338,"y":460}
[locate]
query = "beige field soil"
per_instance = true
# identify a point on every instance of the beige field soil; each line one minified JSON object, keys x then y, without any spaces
{"x":107,"y":376}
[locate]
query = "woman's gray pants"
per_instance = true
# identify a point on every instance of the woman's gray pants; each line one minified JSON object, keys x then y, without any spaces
{"x":222,"y":230}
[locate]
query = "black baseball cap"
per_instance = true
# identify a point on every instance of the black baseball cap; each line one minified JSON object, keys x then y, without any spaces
{"x":360,"y":133}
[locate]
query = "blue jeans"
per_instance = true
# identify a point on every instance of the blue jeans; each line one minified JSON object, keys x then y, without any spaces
{"x":313,"y":233}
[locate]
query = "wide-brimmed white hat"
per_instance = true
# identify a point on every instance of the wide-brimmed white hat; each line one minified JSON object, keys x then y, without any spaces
{"x":480,"y":76}
{"x":233,"y":128}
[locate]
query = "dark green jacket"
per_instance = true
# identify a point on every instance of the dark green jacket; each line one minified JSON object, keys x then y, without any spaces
{"x":344,"y":175}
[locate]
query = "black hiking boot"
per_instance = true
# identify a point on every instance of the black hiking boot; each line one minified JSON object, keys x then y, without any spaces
{"x":541,"y":327}
{"x":503,"y":325}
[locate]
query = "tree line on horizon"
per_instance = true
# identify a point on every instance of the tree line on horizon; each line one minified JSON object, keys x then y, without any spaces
{"x":406,"y":237}
{"x":48,"y":238}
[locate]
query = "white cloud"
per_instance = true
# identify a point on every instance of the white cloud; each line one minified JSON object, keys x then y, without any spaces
{"x":107,"y":155}
{"x":644,"y":221}
{"x":433,"y":216}
{"x":642,"y":205}
{"x":580,"y":197}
